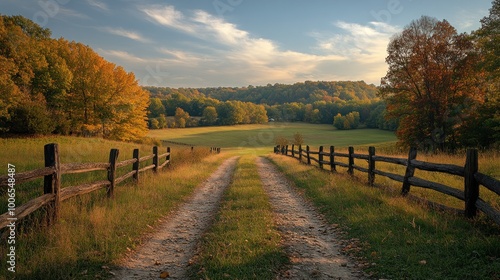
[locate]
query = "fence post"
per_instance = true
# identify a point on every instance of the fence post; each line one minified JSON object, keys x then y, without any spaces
{"x":293,"y":150}
{"x":113,"y":157}
{"x":332,"y":159}
{"x":410,"y":170}
{"x":320,"y":157}
{"x":371,"y":166}
{"x":286,"y":150}
{"x":351,"y":161}
{"x":308,"y":155}
{"x":300,"y":153}
{"x":155,"y":159}
{"x":52,"y":183}
{"x":135,"y":166}
{"x":168,"y":156}
{"x":471,"y":186}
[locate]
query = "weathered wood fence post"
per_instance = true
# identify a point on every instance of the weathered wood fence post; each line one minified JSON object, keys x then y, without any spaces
{"x":293,"y":150}
{"x":410,"y":171}
{"x":332,"y":159}
{"x":113,"y":158}
{"x":286,"y":150}
{"x":371,"y":166}
{"x":135,"y":166}
{"x":156,"y":160}
{"x":168,"y":156}
{"x":320,"y":157}
{"x":300,"y":153}
{"x":308,"y":155}
{"x":52,"y":183}
{"x":471,"y":186}
{"x":351,"y":161}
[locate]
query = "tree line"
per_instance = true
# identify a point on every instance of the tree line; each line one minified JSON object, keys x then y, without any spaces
{"x":323,"y":107}
{"x":57,"y":86}
{"x":201,"y":111}
{"x":306,"y":92}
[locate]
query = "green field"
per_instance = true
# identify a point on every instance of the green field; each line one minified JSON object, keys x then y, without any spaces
{"x":263,"y":135}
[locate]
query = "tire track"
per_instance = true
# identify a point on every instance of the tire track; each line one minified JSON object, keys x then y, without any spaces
{"x":309,"y":241}
{"x":170,"y":249}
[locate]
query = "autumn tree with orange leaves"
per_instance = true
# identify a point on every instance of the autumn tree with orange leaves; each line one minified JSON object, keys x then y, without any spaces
{"x":432,"y":85}
{"x":55,"y":86}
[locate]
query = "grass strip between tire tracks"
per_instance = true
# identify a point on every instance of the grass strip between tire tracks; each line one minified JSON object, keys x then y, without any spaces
{"x":243,"y":242}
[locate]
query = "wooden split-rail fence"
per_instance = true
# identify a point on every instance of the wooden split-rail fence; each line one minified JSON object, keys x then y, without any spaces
{"x":472,"y":178}
{"x":54,"y":194}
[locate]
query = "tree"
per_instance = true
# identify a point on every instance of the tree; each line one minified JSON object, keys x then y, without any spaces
{"x":338,"y":121}
{"x":155,"y":108}
{"x":209,"y":116}
{"x":153,"y":124}
{"x":162,"y":121}
{"x":181,"y":118}
{"x":430,"y":86}
{"x":31,"y":118}
{"x":298,"y":139}
{"x":349,"y":121}
{"x":484,"y":129}
{"x":281,"y":141}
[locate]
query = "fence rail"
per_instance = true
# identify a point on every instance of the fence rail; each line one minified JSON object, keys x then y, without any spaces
{"x":54,"y":194}
{"x":472,"y":178}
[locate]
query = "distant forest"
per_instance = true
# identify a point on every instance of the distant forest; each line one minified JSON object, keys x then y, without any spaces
{"x":310,"y":101}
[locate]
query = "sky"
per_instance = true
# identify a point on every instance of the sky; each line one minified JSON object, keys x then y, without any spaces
{"x":212,"y":43}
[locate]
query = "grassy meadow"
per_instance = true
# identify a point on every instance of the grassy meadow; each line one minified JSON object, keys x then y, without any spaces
{"x":94,"y":232}
{"x":258,"y":136}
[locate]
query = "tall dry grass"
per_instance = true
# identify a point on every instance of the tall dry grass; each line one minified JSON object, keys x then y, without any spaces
{"x":93,"y":232}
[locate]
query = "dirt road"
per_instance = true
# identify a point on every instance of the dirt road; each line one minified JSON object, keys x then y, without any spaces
{"x":309,"y":240}
{"x":168,"y":252}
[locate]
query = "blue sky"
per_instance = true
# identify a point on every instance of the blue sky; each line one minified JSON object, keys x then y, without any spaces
{"x":205,"y":43}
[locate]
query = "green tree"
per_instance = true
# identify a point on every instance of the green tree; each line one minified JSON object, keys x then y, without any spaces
{"x":338,"y":121}
{"x":162,"y":121}
{"x":31,"y":118}
{"x":209,"y":116}
{"x":155,"y":108}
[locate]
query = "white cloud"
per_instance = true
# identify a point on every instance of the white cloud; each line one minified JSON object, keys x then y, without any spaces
{"x":235,"y":55}
{"x":466,"y":21}
{"x":189,"y":59}
{"x":167,"y":16}
{"x":122,"y":55}
{"x":362,"y":43}
{"x":224,"y":32}
{"x":98,"y":4}
{"x":72,"y":13}
{"x":126,"y":33}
